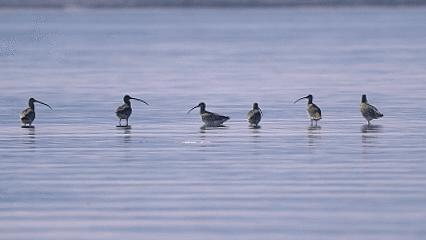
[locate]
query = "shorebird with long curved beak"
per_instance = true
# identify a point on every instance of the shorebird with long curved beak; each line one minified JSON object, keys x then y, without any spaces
{"x":210,"y":119}
{"x":313,"y":110}
{"x":28,"y":115}
{"x":124,"y":111}
{"x":368,"y":111}
{"x":255,"y":115}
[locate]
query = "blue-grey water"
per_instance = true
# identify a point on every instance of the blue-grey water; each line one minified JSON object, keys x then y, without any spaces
{"x":76,"y":176}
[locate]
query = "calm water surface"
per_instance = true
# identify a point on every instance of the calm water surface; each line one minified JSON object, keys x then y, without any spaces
{"x":76,"y":176}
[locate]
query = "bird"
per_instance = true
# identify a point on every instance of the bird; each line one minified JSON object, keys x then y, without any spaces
{"x":28,"y":115}
{"x":124,"y":111}
{"x":368,"y":111}
{"x":313,"y":110}
{"x":255,"y":115}
{"x":210,"y":119}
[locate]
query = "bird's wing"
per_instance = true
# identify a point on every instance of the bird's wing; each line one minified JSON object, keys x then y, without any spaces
{"x":318,"y":109}
{"x":374,"y":108}
{"x":316,"y":112}
{"x":373,"y":111}
{"x":122,"y":108}
{"x":221,"y":117}
{"x":254,"y":115}
{"x":25,"y":113}
{"x":250,"y":114}
{"x":214,"y":116}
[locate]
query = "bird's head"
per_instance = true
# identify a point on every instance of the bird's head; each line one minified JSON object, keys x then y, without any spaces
{"x":201,"y":105}
{"x":309,"y":97}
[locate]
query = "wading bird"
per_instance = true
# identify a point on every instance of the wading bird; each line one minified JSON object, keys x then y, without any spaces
{"x":313,"y":110}
{"x":255,"y":115}
{"x":28,"y":115}
{"x":368,"y":111}
{"x":124,"y":111}
{"x":210,"y":119}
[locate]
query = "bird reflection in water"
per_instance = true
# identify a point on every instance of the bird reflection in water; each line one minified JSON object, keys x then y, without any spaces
{"x":206,"y":132}
{"x":369,"y":137}
{"x":314,"y":135}
{"x":30,"y":137}
{"x":204,"y":128}
{"x":370,"y":128}
{"x":255,"y":133}
{"x":127,"y":135}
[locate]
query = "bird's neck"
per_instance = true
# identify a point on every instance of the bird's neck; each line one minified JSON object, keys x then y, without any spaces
{"x":31,"y":105}
{"x":128,"y":102}
{"x":310,"y":101}
{"x":202,"y":110}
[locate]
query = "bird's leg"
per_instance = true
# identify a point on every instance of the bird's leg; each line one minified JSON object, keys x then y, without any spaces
{"x":127,"y":122}
{"x":316,"y":123}
{"x":312,"y":122}
{"x":119,"y":122}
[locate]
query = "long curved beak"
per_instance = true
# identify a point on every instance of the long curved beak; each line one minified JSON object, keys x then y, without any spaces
{"x":140,"y":100}
{"x":192,"y":109}
{"x":43,"y":104}
{"x":299,"y":99}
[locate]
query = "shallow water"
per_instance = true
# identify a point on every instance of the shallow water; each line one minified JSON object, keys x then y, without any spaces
{"x":76,"y":176}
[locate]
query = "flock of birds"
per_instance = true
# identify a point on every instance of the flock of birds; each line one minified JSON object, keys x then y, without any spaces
{"x":210,"y":119}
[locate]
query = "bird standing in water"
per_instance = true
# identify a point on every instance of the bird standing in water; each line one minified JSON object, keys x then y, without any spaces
{"x":28,"y":115}
{"x":313,"y":110}
{"x":124,"y":111}
{"x":368,"y":111}
{"x":210,"y":119}
{"x":255,"y":115}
